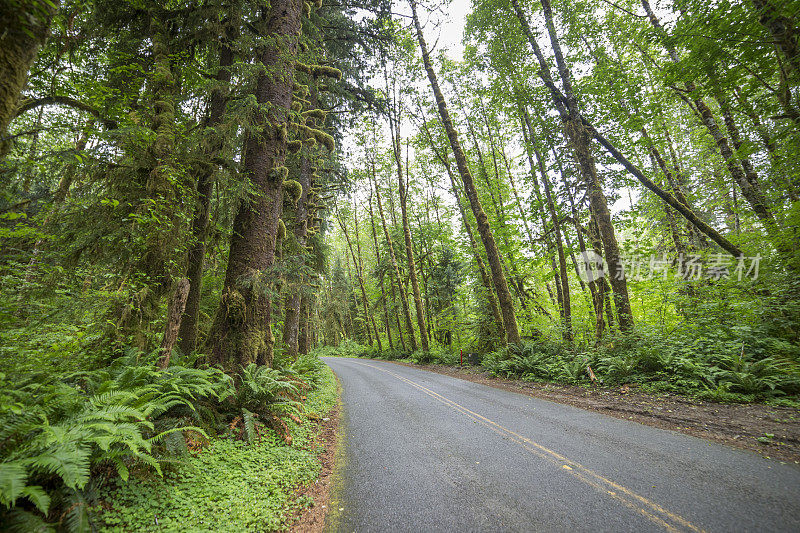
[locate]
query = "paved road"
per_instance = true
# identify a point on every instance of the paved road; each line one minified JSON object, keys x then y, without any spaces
{"x":427,"y":452}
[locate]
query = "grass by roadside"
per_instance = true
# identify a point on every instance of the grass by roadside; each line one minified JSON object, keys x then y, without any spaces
{"x":229,"y":485}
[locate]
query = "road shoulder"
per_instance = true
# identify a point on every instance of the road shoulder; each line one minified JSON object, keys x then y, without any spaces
{"x":312,"y":518}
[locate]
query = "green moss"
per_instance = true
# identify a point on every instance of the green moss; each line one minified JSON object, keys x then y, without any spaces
{"x":293,"y":189}
{"x":329,"y":72}
{"x":319,"y":71}
{"x":294,"y":146}
{"x":281,"y":229}
{"x":318,"y":114}
{"x":279,"y":173}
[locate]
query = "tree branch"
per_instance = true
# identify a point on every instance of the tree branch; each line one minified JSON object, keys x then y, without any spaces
{"x":30,"y":104}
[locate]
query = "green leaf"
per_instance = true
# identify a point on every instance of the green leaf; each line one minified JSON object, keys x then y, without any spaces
{"x":13,"y":478}
{"x":38,"y":496}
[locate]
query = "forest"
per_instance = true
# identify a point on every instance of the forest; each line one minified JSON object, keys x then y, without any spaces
{"x":199,"y":198}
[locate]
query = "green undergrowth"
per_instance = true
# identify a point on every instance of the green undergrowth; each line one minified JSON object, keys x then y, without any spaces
{"x":230,"y":485}
{"x":743,"y":367}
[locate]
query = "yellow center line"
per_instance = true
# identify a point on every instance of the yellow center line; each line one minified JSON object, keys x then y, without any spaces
{"x":622,"y":494}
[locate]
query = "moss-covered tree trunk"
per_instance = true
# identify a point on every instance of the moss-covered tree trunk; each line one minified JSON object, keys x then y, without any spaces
{"x":205,"y":185}
{"x":24,"y":26}
{"x":484,"y":230}
{"x":159,"y":203}
{"x":242,"y":333}
{"x":292,"y":302}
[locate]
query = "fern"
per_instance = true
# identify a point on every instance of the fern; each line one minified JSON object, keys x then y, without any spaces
{"x":57,"y":432}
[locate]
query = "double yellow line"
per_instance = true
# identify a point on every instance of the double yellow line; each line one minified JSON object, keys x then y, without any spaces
{"x":647,"y":508}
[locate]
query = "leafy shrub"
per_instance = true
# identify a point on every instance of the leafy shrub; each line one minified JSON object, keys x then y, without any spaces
{"x":59,"y":431}
{"x":716,"y":368}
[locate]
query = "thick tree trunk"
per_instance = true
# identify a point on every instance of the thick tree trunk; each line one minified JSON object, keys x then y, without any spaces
{"x":242,"y":331}
{"x":492,"y":253}
{"x":205,"y":186}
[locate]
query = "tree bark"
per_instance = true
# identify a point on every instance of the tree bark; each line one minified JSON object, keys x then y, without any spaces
{"x":205,"y":186}
{"x":174,"y":313}
{"x":242,"y":331}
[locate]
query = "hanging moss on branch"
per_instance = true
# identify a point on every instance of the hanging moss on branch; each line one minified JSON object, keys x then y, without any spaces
{"x":320,"y":71}
{"x":317,"y":114}
{"x":321,"y":137}
{"x":281,"y":234}
{"x":293,"y":190}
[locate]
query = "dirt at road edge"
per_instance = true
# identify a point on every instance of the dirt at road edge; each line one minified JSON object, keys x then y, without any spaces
{"x":312,"y":519}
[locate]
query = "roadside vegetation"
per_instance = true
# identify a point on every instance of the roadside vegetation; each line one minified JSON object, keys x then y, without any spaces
{"x":717,"y":371}
{"x":129,"y":447}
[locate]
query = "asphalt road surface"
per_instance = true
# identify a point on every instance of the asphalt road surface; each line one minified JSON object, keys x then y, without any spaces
{"x":425,"y":452}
